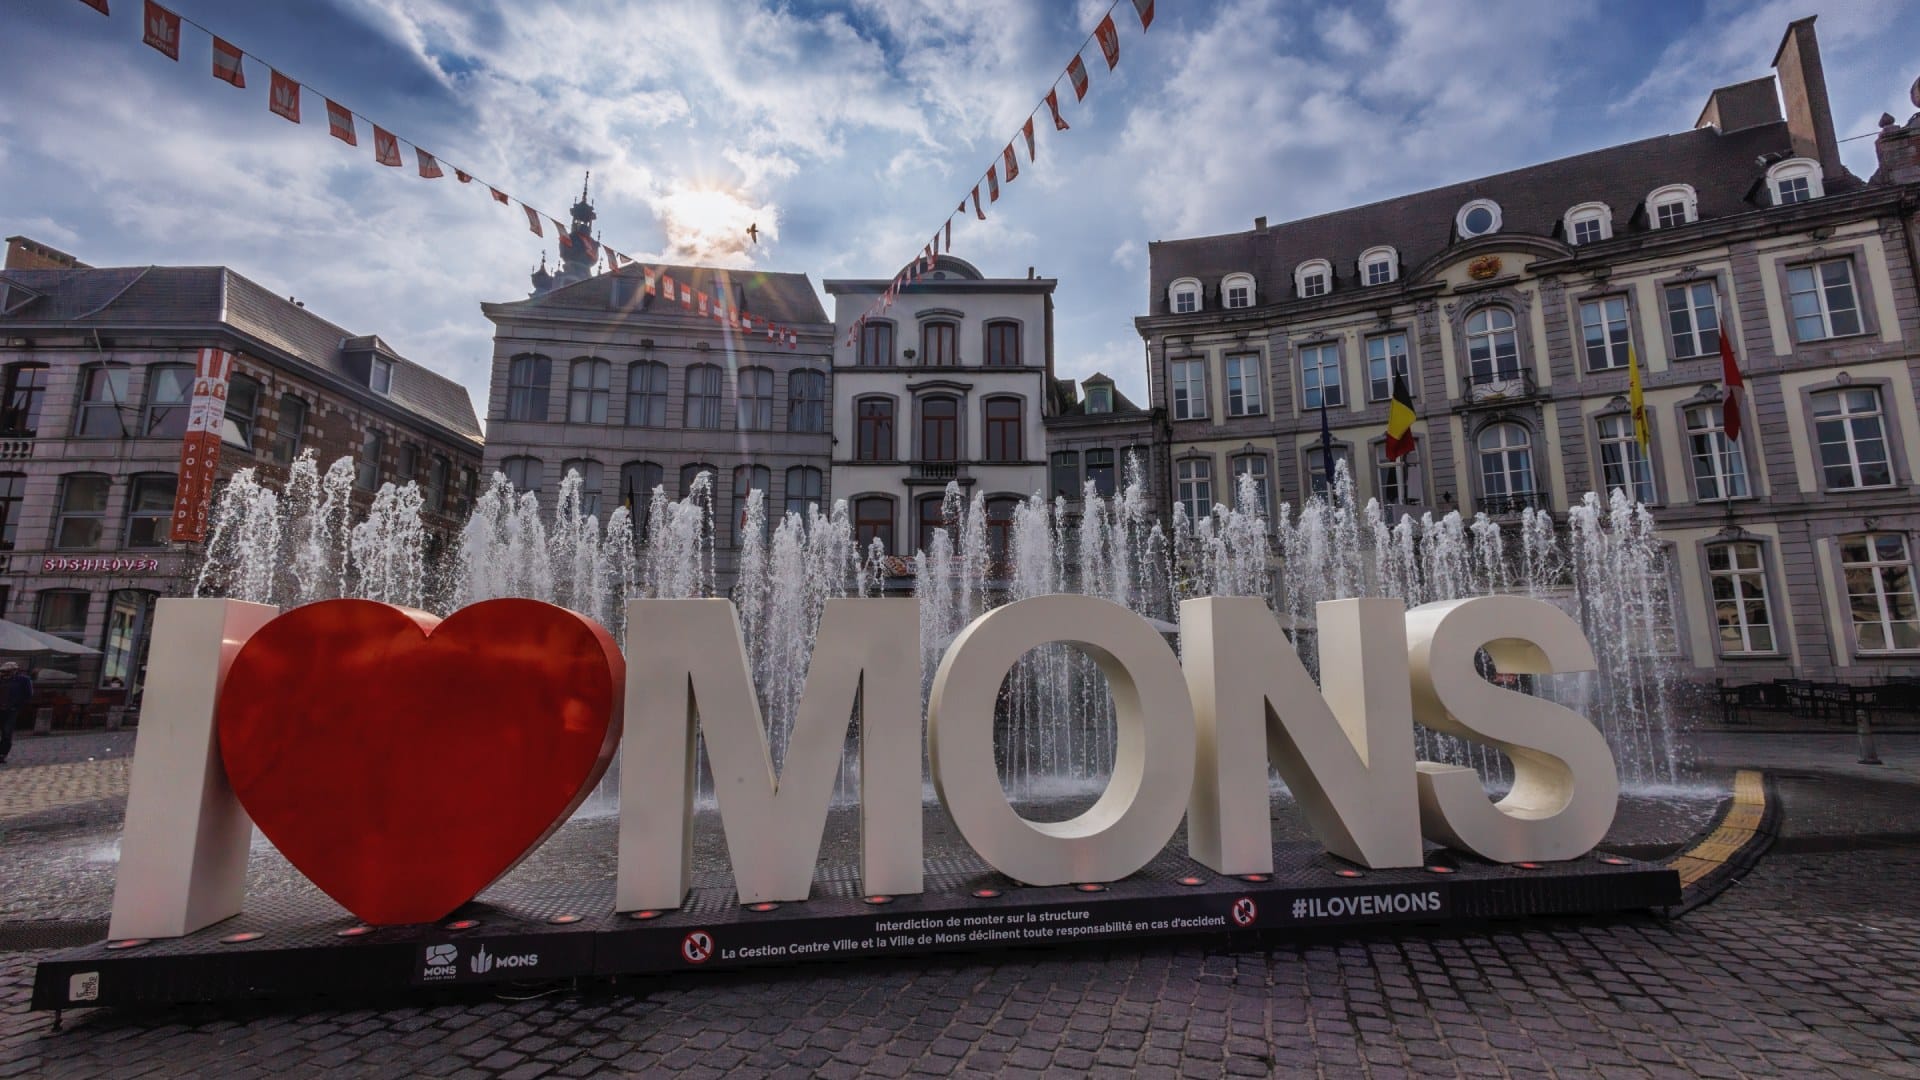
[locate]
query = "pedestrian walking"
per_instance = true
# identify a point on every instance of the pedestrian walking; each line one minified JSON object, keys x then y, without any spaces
{"x":16,"y":695}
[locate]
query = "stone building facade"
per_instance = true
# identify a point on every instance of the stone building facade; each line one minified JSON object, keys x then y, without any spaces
{"x":1097,"y":435}
{"x":1512,"y":303}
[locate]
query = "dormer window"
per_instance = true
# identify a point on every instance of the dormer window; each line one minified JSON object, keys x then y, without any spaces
{"x":1795,"y":180}
{"x":1237,"y":290}
{"x":1183,"y":296}
{"x":1672,"y":206}
{"x":1478,"y":218}
{"x":1100,"y":399}
{"x":1589,"y":223}
{"x":380,"y":375}
{"x":1313,"y":278}
{"x":1379,"y":265}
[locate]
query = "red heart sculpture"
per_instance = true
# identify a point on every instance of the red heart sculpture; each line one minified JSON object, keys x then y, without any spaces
{"x":404,"y":763}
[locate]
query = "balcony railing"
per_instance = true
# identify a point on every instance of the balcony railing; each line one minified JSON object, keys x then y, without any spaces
{"x":935,"y":472}
{"x":1496,"y":386}
{"x":15,"y":449}
{"x":1512,"y":503}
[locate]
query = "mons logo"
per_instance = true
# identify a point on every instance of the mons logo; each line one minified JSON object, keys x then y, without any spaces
{"x":483,"y":961}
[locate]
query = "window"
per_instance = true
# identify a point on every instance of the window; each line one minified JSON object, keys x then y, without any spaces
{"x":691,"y":474}
{"x":1493,"y":349}
{"x":367,"y":468}
{"x":806,"y":401}
{"x":647,"y":394}
{"x":1719,"y":469}
{"x":1586,"y":230}
{"x":592,"y":482}
{"x":123,"y":648}
{"x":755,"y":412}
{"x":527,"y":381}
{"x":1623,"y":461}
{"x":1313,"y":278}
{"x":13,"y":488}
{"x":705,"y":384}
{"x":1672,"y":206}
{"x":748,"y":479}
{"x":1184,"y":296}
{"x":803,"y":491}
{"x":873,"y":520}
{"x":932,"y":519}
{"x":1000,"y":513}
{"x":1320,"y":375}
{"x":1250,"y":470}
{"x":1506,"y":465}
{"x":289,"y":430}
{"x":1589,"y":223}
{"x":1795,"y":180}
{"x":1100,"y":472}
{"x":1478,"y":218}
{"x":874,"y":419}
{"x":103,"y":391}
{"x":1195,"y":478}
{"x":1244,"y":380}
{"x":1379,"y":265}
{"x":150,"y":510}
{"x":380,"y":375}
{"x":523,"y":472}
{"x":1880,"y":592}
{"x":1822,"y":300}
{"x":1319,"y":478}
{"x":438,"y":474}
{"x":20,"y":410}
{"x":1669,"y":214}
{"x":1739,"y":585}
{"x":1853,"y":438}
{"x":63,"y":613}
{"x":1189,"y":389}
{"x":82,"y":520}
{"x":1066,"y":474}
{"x":1003,"y":344}
{"x":939,"y":344}
{"x":876,"y":344}
{"x":1099,"y":399}
{"x":1387,"y":361}
{"x":1003,"y":429}
{"x":243,"y":405}
{"x":1693,"y":318}
{"x":587,"y":391}
{"x":1236,"y":291}
{"x":638,"y":479}
{"x":939,"y":429}
{"x":409,"y":462}
{"x":169,"y":398}
{"x":1396,"y":483}
{"x":1603,"y":329}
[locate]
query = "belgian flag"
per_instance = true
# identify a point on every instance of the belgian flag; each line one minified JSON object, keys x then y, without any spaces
{"x":1400,"y":420}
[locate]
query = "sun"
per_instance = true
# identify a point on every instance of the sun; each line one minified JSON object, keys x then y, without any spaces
{"x":709,"y":224}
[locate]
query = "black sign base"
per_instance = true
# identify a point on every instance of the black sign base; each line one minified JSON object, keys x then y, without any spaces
{"x":308,"y":946}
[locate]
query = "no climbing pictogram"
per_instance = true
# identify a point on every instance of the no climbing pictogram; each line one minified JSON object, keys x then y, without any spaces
{"x":1244,"y":911}
{"x":696,"y":947}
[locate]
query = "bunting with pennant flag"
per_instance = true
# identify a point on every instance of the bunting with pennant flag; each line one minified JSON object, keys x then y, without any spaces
{"x":285,"y":98}
{"x":226,"y":64}
{"x":386,"y":148}
{"x":1077,"y":74}
{"x":1011,"y":161}
{"x":429,"y":168}
{"x":993,"y":185}
{"x":97,"y":5}
{"x":162,"y":30}
{"x":1145,"y":8}
{"x":340,"y":123}
{"x":1053,"y":106}
{"x":533,"y":220}
{"x":1026,"y":130}
{"x":1109,"y":38}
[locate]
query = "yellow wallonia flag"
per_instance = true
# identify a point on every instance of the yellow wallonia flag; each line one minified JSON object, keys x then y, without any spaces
{"x":1637,"y":400}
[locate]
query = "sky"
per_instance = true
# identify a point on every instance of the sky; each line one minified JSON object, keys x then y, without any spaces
{"x":846,"y":130}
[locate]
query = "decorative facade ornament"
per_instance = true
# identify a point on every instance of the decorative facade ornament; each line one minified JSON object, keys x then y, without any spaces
{"x":1484,"y":267}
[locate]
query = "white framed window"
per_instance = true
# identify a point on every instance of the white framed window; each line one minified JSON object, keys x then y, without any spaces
{"x":1183,"y":296}
{"x":1603,"y":332}
{"x":380,"y":376}
{"x":1189,"y":378}
{"x":1100,"y":399}
{"x":1320,"y":375}
{"x":1195,"y":476}
{"x":1319,"y":478}
{"x":1880,"y":592}
{"x":1672,"y":206}
{"x":1589,"y":223}
{"x":587,"y":384}
{"x":1236,"y":290}
{"x":1506,"y":465}
{"x":1250,"y":472}
{"x":1243,"y":385}
{"x":1379,"y":265}
{"x":1313,"y":278}
{"x":1693,"y":318}
{"x":1387,"y":361}
{"x":1823,"y":301}
{"x":1623,"y":461}
{"x":1478,"y":218}
{"x":1795,"y":180}
{"x":1719,"y":469}
{"x":1396,"y":483}
{"x":1740,"y":610}
{"x":1852,"y":435}
{"x":1493,"y":348}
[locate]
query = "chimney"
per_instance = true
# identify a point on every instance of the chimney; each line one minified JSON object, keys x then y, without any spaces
{"x":1260,"y":224}
{"x":1803,"y":86}
{"x":25,"y":253}
{"x":1742,"y":105}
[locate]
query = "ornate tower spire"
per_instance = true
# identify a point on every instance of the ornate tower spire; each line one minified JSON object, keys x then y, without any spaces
{"x":579,"y":251}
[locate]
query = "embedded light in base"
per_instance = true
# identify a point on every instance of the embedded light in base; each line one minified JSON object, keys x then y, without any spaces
{"x":242,"y":937}
{"x":764,"y":905}
{"x":1193,"y":879}
{"x":643,"y":916}
{"x":1091,"y":886}
{"x":1348,"y":872}
{"x":1437,"y":869}
{"x":1528,"y":865}
{"x":985,"y":894}
{"x":354,"y":931}
{"x":1614,"y":860}
{"x":463,"y":924}
{"x":878,"y":899}
{"x":128,"y":943}
{"x":564,"y":920}
{"x":1256,"y":878}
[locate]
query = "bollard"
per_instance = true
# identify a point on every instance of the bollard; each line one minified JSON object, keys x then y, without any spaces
{"x":43,"y":721}
{"x":1869,"y":748}
{"x":115,"y":717}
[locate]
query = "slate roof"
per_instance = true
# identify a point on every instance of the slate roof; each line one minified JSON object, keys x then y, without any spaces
{"x":1722,"y":168}
{"x":1075,"y":404}
{"x":207,"y":297}
{"x":784,"y":298}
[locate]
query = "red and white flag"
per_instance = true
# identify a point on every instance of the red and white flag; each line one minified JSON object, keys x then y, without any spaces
{"x":97,"y":5}
{"x":500,"y":196}
{"x":284,"y":98}
{"x":949,"y":231}
{"x":1027,"y":130}
{"x":462,"y":176}
{"x":702,"y":302}
{"x":1077,"y":74}
{"x":686,"y":297}
{"x":162,"y":30}
{"x":566,"y":238}
{"x":533,"y":217}
{"x":1732,"y":382}
{"x":1012,"y":163}
{"x":429,"y":168}
{"x":226,"y":64}
{"x":1145,"y":8}
{"x":1053,"y":106}
{"x":993,"y":185}
{"x":666,"y":286}
{"x":386,"y":148}
{"x":1109,"y":38}
{"x":340,"y":123}
{"x":977,"y":212}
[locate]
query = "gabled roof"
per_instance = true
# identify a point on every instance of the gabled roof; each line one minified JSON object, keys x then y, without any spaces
{"x":1072,"y":404}
{"x":784,"y":298}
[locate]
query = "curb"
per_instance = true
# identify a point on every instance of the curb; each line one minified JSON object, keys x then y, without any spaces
{"x":1747,"y":827}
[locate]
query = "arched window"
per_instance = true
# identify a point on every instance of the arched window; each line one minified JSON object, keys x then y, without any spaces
{"x":1672,"y":206}
{"x":876,"y":344}
{"x":1478,"y":218}
{"x":592,"y":481}
{"x":169,"y":396}
{"x":803,"y":491}
{"x":103,"y":396}
{"x":691,"y":473}
{"x":26,"y":388}
{"x":289,"y":429}
{"x":587,"y":387}
{"x":638,"y":479}
{"x":1588,"y":223}
{"x":755,"y":410}
{"x":939,"y":428}
{"x":806,"y":401}
{"x":1795,"y":180}
{"x":1003,"y":429}
{"x":1493,"y":348}
{"x":939,"y":344}
{"x":647,"y":394}
{"x":528,"y":377}
{"x":522,"y":472}
{"x":1506,"y":467}
{"x":874,"y":435}
{"x":1000,"y":511}
{"x":1313,"y":278}
{"x":1236,"y":290}
{"x":1003,"y":343}
{"x":150,"y":510}
{"x":705,"y":385}
{"x":1379,"y":265}
{"x":748,"y":479}
{"x":13,"y":492}
{"x":82,"y":513}
{"x":873,"y":520}
{"x":1183,"y":296}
